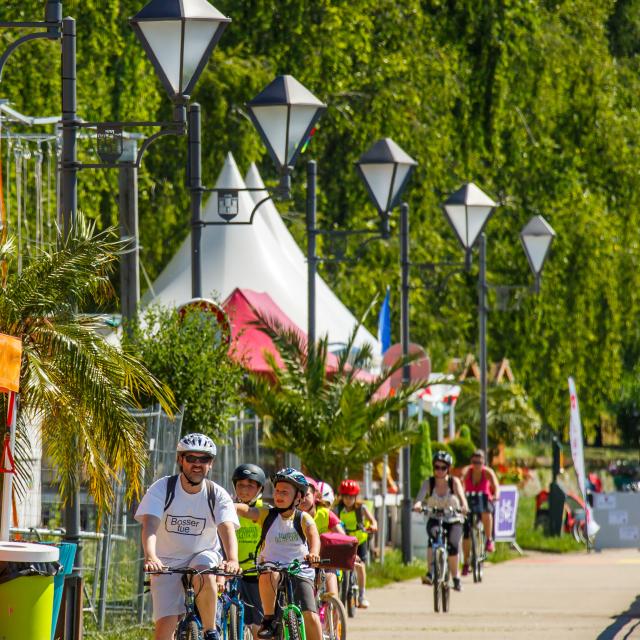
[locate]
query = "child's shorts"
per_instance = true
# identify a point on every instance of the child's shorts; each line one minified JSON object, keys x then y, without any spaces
{"x":304,"y":594}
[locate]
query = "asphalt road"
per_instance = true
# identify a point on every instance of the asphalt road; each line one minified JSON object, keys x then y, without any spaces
{"x":540,"y":596}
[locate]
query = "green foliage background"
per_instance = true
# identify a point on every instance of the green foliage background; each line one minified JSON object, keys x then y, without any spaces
{"x":534,"y":100}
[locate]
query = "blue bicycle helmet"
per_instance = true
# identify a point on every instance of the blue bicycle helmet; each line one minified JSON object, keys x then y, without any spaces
{"x":293,"y":477}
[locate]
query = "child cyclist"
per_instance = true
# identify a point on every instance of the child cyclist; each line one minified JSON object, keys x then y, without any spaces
{"x":358,"y":522}
{"x":286,"y":536}
{"x":248,"y":482}
{"x":326,"y":521}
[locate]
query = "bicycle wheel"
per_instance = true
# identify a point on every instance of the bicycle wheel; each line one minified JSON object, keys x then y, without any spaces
{"x":292,"y":626}
{"x":189,"y":629}
{"x":435,"y":573}
{"x":233,"y":618}
{"x":334,"y":624}
{"x":445,"y":596}
{"x":352,"y":594}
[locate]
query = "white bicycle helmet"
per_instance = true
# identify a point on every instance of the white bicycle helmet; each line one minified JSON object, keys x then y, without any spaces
{"x":197,"y":443}
{"x":326,"y":492}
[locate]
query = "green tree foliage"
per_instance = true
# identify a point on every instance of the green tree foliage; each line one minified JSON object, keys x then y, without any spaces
{"x":421,"y":465}
{"x":463,"y":449}
{"x":335,"y":421}
{"x":465,"y":432}
{"x":534,"y":100}
{"x":74,"y":385}
{"x":510,"y":416}
{"x":190,"y":354}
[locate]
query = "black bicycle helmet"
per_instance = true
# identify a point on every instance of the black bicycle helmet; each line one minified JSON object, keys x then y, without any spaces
{"x":442,"y":456}
{"x":293,"y":477}
{"x":249,"y":472}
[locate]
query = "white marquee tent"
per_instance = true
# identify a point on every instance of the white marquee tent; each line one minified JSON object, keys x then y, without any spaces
{"x":262,"y":256}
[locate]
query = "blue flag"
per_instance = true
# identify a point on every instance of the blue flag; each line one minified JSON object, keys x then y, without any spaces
{"x":384,"y":323}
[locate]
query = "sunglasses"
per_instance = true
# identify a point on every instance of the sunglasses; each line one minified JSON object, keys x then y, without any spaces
{"x":195,"y":459}
{"x":440,"y":467}
{"x":476,"y":462}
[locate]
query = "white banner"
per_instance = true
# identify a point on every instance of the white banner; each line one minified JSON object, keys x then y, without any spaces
{"x":577,"y":453}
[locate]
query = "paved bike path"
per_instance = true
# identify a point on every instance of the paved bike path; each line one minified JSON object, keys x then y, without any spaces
{"x":540,"y":596}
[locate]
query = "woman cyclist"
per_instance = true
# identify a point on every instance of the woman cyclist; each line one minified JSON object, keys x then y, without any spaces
{"x":482,"y":481}
{"x":443,"y":491}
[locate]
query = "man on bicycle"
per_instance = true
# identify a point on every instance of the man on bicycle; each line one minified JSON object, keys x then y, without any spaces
{"x":482,"y":489}
{"x":183,"y":518}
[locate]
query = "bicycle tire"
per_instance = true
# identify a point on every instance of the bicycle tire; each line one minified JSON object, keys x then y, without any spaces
{"x":352,"y":600}
{"x":189,"y":630}
{"x":446,"y":590}
{"x":334,"y":625}
{"x":436,"y":584}
{"x":233,"y":616}
{"x":293,"y":626}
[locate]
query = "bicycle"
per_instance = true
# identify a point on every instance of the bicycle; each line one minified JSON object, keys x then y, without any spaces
{"x":478,"y":538}
{"x":333,"y":617}
{"x":288,"y":615}
{"x":190,"y":626}
{"x":349,"y":588}
{"x":440,"y":558}
{"x":231,"y":612}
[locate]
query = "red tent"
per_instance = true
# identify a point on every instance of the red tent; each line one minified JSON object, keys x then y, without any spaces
{"x":248,"y":343}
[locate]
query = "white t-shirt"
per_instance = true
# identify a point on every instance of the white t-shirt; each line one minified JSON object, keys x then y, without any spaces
{"x":186,"y":528}
{"x":283,"y":543}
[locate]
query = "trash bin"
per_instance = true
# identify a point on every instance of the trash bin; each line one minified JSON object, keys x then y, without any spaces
{"x":26,"y":590}
{"x":67,"y":556}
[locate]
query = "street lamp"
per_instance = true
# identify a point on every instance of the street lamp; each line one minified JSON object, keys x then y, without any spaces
{"x":179,"y":37}
{"x":284,"y":113}
{"x":536,"y":237}
{"x":386,"y":169}
{"x":468,"y":210}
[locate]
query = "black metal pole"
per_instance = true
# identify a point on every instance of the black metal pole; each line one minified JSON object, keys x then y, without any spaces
{"x":69,"y":127}
{"x":406,"y":376}
{"x":195,"y":188}
{"x":312,"y":266}
{"x":128,"y":212}
{"x":482,"y":326}
{"x":69,"y":202}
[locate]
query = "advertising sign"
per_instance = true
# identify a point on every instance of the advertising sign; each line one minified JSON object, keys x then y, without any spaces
{"x":577,"y":453}
{"x":504,"y":521}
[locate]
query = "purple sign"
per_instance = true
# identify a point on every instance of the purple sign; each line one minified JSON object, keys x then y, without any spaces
{"x":504,"y":521}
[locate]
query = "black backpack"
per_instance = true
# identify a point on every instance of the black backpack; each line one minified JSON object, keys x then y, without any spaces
{"x":271,"y":518}
{"x":171,"y":494}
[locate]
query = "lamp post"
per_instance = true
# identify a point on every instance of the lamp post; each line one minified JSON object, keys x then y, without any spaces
{"x":179,"y":38}
{"x":386,"y":169}
{"x":468,"y":210}
{"x":285,"y":113}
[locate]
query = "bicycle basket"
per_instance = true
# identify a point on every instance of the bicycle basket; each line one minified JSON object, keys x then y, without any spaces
{"x":339,"y":549}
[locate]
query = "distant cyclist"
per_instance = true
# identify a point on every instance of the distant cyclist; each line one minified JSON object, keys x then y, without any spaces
{"x":182,"y":517}
{"x":358,"y":521}
{"x":480,"y":479}
{"x":248,"y":482}
{"x":443,"y":491}
{"x":326,"y":521}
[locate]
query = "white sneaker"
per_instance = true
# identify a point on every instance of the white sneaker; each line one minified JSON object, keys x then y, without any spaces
{"x":363,"y":603}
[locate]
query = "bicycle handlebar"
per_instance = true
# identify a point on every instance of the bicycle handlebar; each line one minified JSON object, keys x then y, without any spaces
{"x":191,"y":571}
{"x":264,"y":567}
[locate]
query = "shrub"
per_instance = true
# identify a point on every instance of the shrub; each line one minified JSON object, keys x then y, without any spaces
{"x":463,"y":449}
{"x":421,"y":466}
{"x":465,"y":432}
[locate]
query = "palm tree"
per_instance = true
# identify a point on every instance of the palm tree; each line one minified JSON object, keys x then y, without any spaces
{"x":511,"y":417}
{"x":334,"y":418}
{"x":75,"y":385}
